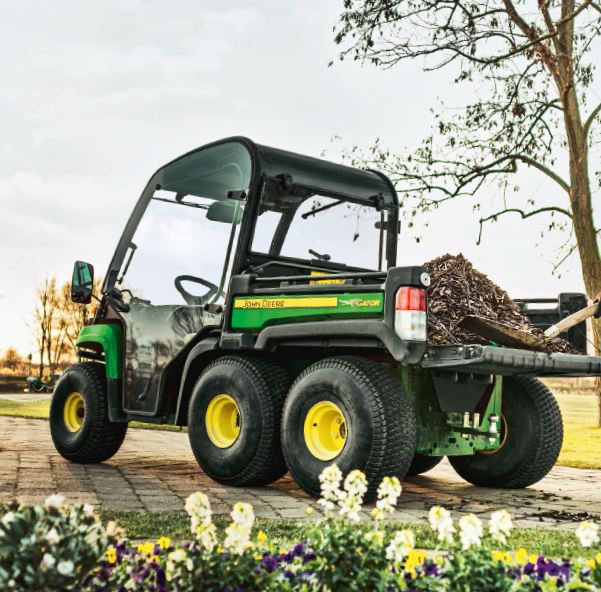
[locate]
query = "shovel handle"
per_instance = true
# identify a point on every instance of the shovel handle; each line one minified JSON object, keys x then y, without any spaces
{"x":573,"y":319}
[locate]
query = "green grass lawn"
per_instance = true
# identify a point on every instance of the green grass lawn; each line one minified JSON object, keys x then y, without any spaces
{"x":582,"y":440}
{"x":581,"y":445}
{"x":285,"y":532}
{"x":40,"y":409}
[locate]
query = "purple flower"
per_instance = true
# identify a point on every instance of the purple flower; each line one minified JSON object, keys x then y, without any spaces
{"x":270,"y":563}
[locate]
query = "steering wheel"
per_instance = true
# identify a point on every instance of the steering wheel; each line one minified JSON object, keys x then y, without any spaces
{"x":191,"y":299}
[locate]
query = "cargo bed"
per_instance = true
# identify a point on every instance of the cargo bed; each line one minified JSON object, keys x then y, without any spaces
{"x":488,"y":359}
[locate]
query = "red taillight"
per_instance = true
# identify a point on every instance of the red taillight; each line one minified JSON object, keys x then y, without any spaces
{"x":408,"y":298}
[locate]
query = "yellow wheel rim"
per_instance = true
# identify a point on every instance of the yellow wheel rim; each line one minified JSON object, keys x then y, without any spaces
{"x":222,"y":421}
{"x":74,"y":412}
{"x":325,"y":430}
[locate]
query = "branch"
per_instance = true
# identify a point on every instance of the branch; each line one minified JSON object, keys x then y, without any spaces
{"x":591,"y":118}
{"x":543,"y":169}
{"x":523,"y":214}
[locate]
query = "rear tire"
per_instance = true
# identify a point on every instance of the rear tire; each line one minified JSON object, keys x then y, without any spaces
{"x":234,"y":420}
{"x":422,"y":464}
{"x":531,"y":440}
{"x":377,"y":427}
{"x":79,"y":424}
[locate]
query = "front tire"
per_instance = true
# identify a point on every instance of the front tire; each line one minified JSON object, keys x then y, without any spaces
{"x":234,"y":420}
{"x":531,"y":439}
{"x":79,"y":424}
{"x":352,"y":412}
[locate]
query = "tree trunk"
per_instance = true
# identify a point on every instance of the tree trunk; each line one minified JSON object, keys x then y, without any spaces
{"x":582,"y":212}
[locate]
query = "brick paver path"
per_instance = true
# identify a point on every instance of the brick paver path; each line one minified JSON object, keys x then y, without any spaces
{"x":156,"y":471}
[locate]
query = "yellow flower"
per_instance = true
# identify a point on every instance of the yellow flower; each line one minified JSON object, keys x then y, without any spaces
{"x":261,"y":537}
{"x":497,"y":555}
{"x":598,"y":558}
{"x":283,"y":551}
{"x":154,"y":559}
{"x":111,"y":555}
{"x":308,"y":510}
{"x":164,"y":542}
{"x":359,"y":551}
{"x":438,"y":559}
{"x":591,"y":563}
{"x":147,"y":548}
{"x":533,"y":558}
{"x":219,"y":548}
{"x":258,"y":557}
{"x":521,"y":555}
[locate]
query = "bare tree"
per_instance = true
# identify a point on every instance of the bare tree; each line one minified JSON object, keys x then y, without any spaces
{"x":12,"y":360}
{"x":43,"y":318}
{"x":527,"y":66}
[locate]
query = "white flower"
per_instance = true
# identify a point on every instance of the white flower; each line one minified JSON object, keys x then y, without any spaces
{"x":8,"y":518}
{"x":243,"y":515}
{"x":65,"y":568}
{"x":175,"y":558}
{"x":47,"y":562}
{"x":237,"y":538}
{"x":112,"y":529}
{"x":388,"y":494}
{"x":400,"y":546}
{"x":470,"y":531}
{"x":350,"y":506}
{"x":55,"y":501}
{"x":350,"y":500}
{"x":88,"y":509}
{"x":52,"y":537}
{"x":330,"y":479}
{"x":442,"y":523}
{"x":500,"y":526}
{"x":355,"y":484}
{"x":588,"y":533}
{"x":198,"y":507}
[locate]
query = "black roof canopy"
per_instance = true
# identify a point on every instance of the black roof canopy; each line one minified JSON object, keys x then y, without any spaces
{"x":325,"y":175}
{"x":313,"y":172}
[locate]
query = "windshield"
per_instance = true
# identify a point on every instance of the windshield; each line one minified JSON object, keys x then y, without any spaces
{"x":182,"y":249}
{"x":306,"y":224}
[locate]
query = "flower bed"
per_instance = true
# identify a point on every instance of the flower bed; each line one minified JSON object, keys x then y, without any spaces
{"x":57,"y":547}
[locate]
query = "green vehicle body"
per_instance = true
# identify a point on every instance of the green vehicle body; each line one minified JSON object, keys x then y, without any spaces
{"x":439,"y":433}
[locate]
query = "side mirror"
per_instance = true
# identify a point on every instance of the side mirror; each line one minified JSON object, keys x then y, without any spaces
{"x":82,"y":283}
{"x":223,"y":211}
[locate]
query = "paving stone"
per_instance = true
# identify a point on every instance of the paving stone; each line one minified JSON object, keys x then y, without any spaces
{"x":156,"y":471}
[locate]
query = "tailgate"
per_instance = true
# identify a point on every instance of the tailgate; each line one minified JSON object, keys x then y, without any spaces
{"x":487,"y":359}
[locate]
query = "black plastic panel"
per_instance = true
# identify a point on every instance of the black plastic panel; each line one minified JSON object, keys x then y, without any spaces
{"x":509,"y":362}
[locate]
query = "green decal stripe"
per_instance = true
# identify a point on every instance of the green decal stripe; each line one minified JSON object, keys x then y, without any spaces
{"x":256,"y":312}
{"x":110,"y":339}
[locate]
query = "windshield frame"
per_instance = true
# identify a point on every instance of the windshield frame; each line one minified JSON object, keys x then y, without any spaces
{"x":389,"y":237}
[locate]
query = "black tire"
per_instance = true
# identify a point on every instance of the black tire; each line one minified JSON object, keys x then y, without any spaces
{"x":380,"y":425}
{"x":98,"y":439}
{"x":258,"y":388}
{"x":531,"y":441}
{"x":422,"y":464}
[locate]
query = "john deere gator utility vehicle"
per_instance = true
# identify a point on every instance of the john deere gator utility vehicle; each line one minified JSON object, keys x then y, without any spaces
{"x":256,"y":297}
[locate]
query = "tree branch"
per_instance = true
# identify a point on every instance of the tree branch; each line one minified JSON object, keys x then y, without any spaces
{"x":523,"y":214}
{"x":543,"y":169}
{"x":590,"y":119}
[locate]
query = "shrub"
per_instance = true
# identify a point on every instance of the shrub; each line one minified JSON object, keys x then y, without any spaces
{"x":58,"y":548}
{"x":50,"y":547}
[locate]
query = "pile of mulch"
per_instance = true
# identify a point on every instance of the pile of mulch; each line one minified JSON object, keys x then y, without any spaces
{"x":458,"y":289}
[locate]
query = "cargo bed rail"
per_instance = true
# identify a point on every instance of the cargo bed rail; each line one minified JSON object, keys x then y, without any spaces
{"x":480,"y":359}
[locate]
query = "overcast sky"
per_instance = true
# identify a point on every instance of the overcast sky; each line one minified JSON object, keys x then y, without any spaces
{"x":96,"y":95}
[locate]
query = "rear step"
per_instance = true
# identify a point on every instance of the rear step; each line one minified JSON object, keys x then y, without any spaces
{"x":482,"y":359}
